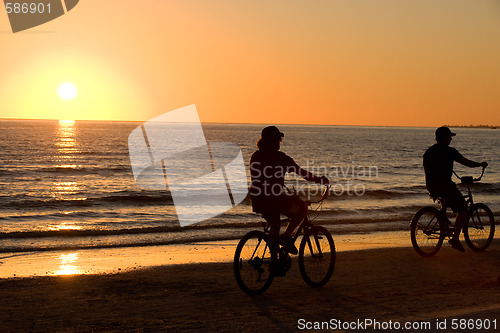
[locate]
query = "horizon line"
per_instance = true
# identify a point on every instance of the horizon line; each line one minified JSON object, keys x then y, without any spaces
{"x":257,"y":123}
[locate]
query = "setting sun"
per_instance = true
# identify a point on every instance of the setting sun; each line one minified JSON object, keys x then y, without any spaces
{"x":67,"y":91}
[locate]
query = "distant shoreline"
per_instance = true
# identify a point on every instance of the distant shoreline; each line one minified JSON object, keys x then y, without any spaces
{"x":260,"y":124}
{"x":474,"y":126}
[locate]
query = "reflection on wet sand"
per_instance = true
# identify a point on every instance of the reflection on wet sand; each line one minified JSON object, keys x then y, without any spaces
{"x":68,"y":264}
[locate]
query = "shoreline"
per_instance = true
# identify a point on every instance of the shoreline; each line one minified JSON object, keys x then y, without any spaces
{"x":382,"y":284}
{"x":125,"y":259}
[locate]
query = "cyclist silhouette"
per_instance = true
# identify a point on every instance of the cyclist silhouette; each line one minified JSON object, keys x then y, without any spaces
{"x":268,"y":167}
{"x":438,"y":167}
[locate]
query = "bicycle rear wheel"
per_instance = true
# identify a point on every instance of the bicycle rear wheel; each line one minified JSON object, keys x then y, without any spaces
{"x":317,"y":256}
{"x":426,"y":232}
{"x":253,"y":259}
{"x":480,"y":228}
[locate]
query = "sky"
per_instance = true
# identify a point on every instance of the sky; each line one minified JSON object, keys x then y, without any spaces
{"x":330,"y":62}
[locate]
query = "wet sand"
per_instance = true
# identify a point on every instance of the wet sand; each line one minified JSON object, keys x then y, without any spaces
{"x":122,"y":259}
{"x":381,"y":284}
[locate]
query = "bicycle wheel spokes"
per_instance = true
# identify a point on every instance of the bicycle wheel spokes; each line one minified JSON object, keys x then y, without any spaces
{"x":481,"y":228}
{"x":426,"y":235}
{"x":252,"y":261}
{"x":317,"y":256}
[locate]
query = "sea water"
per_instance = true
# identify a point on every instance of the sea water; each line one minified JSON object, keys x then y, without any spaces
{"x":69,"y":185}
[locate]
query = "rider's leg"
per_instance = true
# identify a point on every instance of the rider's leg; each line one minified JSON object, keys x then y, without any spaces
{"x":459,"y":206}
{"x":460,"y":222}
{"x":297,"y":212}
{"x":274,"y":232}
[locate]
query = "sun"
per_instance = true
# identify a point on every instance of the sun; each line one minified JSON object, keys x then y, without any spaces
{"x":67,"y":90}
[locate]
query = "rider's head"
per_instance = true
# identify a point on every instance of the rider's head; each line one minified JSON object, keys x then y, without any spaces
{"x":270,"y":138}
{"x":443,"y":135}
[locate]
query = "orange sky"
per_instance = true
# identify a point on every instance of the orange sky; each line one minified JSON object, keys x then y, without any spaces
{"x":350,"y":62}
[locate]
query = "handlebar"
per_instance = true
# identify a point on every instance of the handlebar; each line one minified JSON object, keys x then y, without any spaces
{"x":481,"y":176}
{"x":467,"y":180}
{"x":324,"y":196}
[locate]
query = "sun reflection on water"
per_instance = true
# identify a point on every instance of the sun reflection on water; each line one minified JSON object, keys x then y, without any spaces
{"x":65,"y":187}
{"x":66,"y":159}
{"x":66,"y":143}
{"x":65,"y":226}
{"x":67,"y":191}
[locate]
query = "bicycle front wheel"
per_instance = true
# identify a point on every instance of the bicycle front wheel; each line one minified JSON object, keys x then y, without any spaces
{"x":480,"y":228}
{"x":317,"y":256}
{"x":253,"y":259}
{"x":426,"y":232}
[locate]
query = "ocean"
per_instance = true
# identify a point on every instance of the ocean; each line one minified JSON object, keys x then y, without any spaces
{"x":69,"y":185}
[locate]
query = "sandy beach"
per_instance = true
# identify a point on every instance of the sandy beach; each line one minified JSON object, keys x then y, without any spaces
{"x":123,"y":259}
{"x":385,"y":285}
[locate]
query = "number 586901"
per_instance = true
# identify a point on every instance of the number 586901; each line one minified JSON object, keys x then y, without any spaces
{"x":27,"y":7}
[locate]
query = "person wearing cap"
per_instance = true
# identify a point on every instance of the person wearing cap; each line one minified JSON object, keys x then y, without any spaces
{"x":438,"y":168}
{"x":268,"y":166}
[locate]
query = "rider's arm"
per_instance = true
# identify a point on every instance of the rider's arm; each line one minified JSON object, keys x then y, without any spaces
{"x":291,"y":166}
{"x":309,"y":176}
{"x":471,"y":164}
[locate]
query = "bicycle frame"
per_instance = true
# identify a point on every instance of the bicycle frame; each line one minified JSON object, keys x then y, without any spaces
{"x":255,"y":269}
{"x":430,"y":226}
{"x":468,"y":181}
{"x":305,"y":225}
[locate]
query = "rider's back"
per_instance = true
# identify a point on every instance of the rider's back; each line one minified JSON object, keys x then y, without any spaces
{"x":438,"y":164}
{"x":267,"y":169}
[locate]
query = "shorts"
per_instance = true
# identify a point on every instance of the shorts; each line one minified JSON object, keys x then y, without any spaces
{"x":274,"y":206}
{"x":449,"y":195}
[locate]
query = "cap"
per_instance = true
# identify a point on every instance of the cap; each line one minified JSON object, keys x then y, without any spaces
{"x":271,"y":133}
{"x":444,"y":132}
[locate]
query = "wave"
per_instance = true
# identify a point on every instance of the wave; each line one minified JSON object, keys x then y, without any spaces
{"x":66,"y":246}
{"x":77,"y":169}
{"x":5,"y":172}
{"x":158,"y":236}
{"x":164,"y":235}
{"x":486,"y":188}
{"x":393,"y":193}
{"x":122,"y":197}
{"x":406,"y":191}
{"x":128,"y":197}
{"x":74,"y":240}
{"x":225,"y":221}
{"x":21,"y":201}
{"x":131,"y":231}
{"x":371,"y":211}
{"x":153,"y":198}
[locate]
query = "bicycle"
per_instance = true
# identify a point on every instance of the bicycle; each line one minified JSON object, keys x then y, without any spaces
{"x":258,"y":260}
{"x":429,"y":226}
